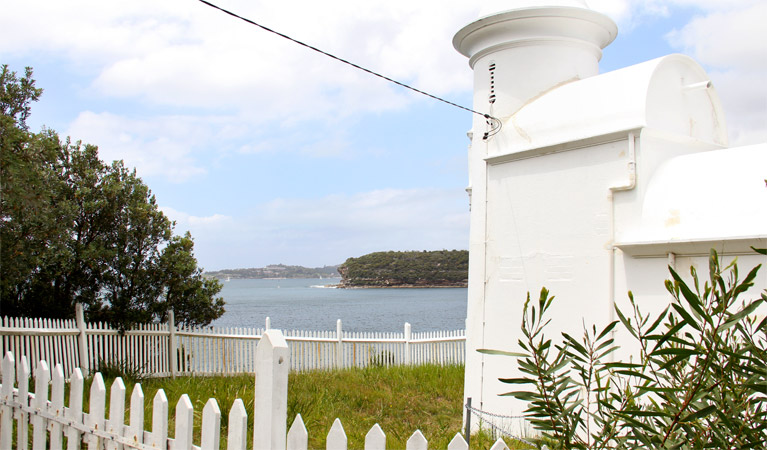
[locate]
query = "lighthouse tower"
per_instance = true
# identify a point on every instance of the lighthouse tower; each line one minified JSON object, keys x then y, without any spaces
{"x":519,"y":54}
{"x":588,"y":184}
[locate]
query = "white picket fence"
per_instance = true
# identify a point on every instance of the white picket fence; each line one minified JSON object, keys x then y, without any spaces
{"x":166,"y":350}
{"x":54,"y":424}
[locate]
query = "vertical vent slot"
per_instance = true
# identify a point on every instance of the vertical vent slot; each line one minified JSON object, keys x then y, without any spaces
{"x":491,"y":97}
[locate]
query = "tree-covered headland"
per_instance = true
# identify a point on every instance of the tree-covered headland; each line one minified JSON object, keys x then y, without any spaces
{"x":74,"y":229}
{"x":443,"y":268}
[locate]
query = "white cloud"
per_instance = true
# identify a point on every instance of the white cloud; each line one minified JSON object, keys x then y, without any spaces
{"x":727,"y":37}
{"x":185,"y":221}
{"x":629,"y":14}
{"x":729,"y":41}
{"x":159,"y":146}
{"x":186,"y":54}
{"x":420,"y":213}
{"x":183,"y":56}
{"x":734,"y":37}
{"x":327,"y":230}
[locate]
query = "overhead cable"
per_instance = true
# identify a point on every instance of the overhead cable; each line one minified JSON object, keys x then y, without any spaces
{"x":495,"y":124}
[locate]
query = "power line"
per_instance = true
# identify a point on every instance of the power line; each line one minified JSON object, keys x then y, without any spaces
{"x":494,"y":123}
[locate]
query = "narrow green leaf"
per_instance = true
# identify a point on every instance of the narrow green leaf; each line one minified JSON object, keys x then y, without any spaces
{"x":686,"y":316}
{"x":737,"y":317}
{"x":626,"y":322}
{"x":690,"y":296}
{"x":675,"y":351}
{"x":633,"y":373}
{"x":487,"y":351}
{"x":657,"y":321}
{"x":607,"y":329}
{"x":667,"y":365}
{"x":573,"y":343}
{"x":700,"y":413}
{"x":517,"y":380}
{"x":645,"y":413}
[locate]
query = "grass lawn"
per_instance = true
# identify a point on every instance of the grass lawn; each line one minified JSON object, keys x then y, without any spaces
{"x":400,"y":399}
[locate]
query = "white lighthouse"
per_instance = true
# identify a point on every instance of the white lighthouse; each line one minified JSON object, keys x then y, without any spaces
{"x":594,"y":183}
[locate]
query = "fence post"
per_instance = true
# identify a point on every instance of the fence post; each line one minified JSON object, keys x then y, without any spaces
{"x":82,"y":340}
{"x":268,"y":323}
{"x":467,"y":409}
{"x":408,"y":334}
{"x":271,"y":404}
{"x":172,"y":345}
{"x":340,"y":347}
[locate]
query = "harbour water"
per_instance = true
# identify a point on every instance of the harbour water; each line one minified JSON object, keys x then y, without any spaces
{"x":305,"y":304}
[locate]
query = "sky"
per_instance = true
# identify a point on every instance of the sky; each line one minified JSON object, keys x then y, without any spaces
{"x":271,"y":153}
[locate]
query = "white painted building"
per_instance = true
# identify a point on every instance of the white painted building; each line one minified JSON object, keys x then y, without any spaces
{"x":595,"y":182}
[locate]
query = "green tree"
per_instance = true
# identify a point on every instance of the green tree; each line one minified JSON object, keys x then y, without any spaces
{"x":186,"y":291}
{"x":76,"y":230}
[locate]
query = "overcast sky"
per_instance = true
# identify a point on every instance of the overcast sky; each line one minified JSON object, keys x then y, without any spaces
{"x":270,"y":153}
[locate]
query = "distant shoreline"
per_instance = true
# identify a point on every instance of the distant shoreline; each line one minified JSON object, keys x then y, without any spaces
{"x":400,"y":286}
{"x":274,"y":278}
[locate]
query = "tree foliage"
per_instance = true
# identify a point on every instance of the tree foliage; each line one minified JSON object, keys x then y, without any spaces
{"x":444,"y":267}
{"x":698,"y":382}
{"x":76,"y":230}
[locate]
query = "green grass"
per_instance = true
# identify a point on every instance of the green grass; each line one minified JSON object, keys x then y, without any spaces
{"x":400,"y":399}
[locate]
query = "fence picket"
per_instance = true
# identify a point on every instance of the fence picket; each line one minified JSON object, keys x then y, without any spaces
{"x":499,"y":445}
{"x":57,"y":408}
{"x":158,"y":438}
{"x":458,"y":443}
{"x":135,"y":429}
{"x":211,"y":426}
{"x":375,"y":439}
{"x":237,"y":439}
{"x":336,"y":437}
{"x":417,"y":442}
{"x":22,"y":434}
{"x":42,"y":378}
{"x":116,"y":412}
{"x":6,"y":393}
{"x":298,"y":437}
{"x":184,"y":424}
{"x":95,"y":417}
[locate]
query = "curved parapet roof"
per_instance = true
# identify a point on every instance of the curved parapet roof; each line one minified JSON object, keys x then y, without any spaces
{"x":712,"y":196}
{"x":532,"y":22}
{"x":671,"y":94}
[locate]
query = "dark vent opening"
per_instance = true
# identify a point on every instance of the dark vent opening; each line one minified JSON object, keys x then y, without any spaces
{"x":491,"y":97}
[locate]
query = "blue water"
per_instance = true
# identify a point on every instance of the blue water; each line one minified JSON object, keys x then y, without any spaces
{"x":299,"y":304}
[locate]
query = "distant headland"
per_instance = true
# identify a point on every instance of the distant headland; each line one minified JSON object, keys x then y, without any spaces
{"x":410,"y":269}
{"x":414,"y":269}
{"x":275,"y":271}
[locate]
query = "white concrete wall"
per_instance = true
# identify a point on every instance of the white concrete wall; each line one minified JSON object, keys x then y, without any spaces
{"x":558,"y":196}
{"x":547,"y":224}
{"x":546,"y":219}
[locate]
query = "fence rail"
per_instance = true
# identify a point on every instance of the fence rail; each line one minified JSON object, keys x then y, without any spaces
{"x":162,"y":349}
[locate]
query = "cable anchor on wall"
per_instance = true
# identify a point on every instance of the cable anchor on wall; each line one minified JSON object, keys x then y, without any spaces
{"x":494,"y":124}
